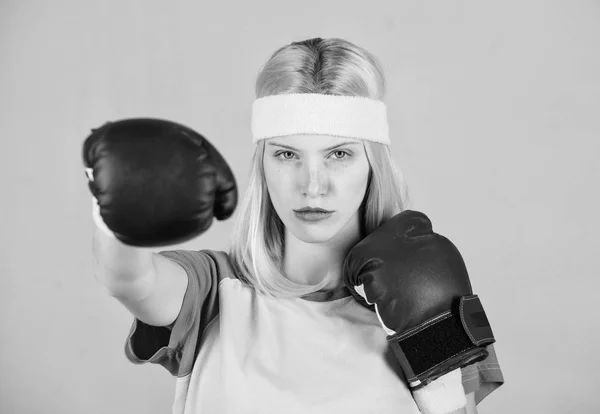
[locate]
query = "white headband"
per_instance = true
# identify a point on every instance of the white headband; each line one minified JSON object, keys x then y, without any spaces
{"x":304,"y":113}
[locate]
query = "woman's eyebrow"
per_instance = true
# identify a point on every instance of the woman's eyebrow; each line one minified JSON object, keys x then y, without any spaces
{"x":276,"y":144}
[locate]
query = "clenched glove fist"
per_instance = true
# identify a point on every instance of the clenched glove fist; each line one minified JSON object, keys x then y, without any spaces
{"x":417,"y":282}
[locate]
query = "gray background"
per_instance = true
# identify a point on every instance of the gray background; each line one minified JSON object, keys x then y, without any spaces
{"x":493,"y":109}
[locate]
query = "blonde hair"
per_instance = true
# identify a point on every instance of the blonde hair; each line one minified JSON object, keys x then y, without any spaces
{"x":331,"y":66}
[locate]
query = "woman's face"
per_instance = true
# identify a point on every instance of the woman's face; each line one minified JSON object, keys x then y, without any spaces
{"x":317,"y":171}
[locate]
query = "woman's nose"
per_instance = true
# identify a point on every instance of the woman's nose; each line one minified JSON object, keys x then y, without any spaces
{"x":314,"y":180}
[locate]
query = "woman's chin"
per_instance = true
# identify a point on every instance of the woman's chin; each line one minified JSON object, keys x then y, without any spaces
{"x":312,"y":233}
{"x":313,"y":238}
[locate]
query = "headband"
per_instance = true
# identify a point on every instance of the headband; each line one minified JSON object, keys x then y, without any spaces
{"x":304,"y":113}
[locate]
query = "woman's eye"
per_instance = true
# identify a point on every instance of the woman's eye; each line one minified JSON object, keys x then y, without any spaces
{"x":343,"y":155}
{"x":291,"y":155}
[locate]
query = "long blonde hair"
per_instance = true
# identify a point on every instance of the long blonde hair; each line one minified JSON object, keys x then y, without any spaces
{"x":335,"y":67}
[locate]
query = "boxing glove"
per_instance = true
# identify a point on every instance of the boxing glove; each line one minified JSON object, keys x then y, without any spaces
{"x":156,"y":182}
{"x":417,"y":283}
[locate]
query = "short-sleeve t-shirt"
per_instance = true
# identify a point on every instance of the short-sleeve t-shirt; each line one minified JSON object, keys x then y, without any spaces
{"x":234,"y":350}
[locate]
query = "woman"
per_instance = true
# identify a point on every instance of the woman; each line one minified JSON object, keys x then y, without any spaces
{"x":270,"y":326}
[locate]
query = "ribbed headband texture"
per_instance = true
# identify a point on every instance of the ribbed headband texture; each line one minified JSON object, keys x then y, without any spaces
{"x":319,"y":114}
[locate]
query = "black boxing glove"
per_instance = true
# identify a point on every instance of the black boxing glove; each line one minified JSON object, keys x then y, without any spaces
{"x":156,"y":182}
{"x":417,"y":282}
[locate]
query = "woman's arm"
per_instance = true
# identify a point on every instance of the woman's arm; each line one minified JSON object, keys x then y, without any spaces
{"x":151,"y":286}
{"x":155,"y":176}
{"x":470,"y":408}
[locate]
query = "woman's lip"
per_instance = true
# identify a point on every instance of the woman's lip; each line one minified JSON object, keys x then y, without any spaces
{"x":312,"y":215}
{"x":317,"y":210}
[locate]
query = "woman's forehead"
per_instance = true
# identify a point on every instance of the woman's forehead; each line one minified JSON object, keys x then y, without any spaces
{"x":312,"y":142}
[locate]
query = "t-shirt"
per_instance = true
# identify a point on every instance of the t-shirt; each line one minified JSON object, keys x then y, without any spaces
{"x":233,"y":350}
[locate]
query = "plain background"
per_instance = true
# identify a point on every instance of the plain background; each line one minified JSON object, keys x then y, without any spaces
{"x":494,"y":113}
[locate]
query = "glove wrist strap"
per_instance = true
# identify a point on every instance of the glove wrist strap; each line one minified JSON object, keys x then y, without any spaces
{"x":451,"y":340}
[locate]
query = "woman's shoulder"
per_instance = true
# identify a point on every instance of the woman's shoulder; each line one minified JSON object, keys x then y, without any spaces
{"x":216,"y":263}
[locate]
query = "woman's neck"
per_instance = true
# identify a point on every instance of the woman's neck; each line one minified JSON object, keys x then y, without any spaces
{"x":311,"y":263}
